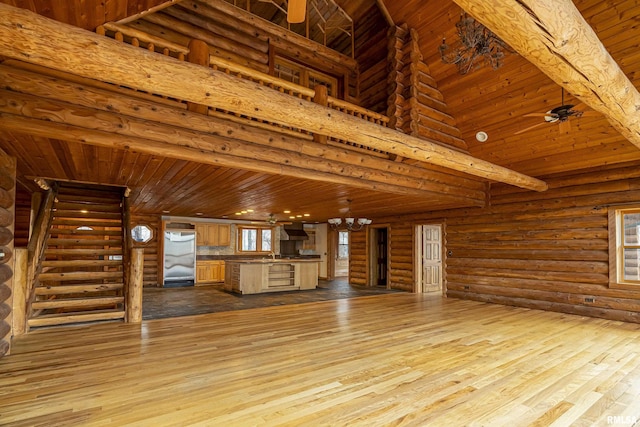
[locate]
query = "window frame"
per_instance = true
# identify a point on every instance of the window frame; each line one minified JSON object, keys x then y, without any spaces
{"x":617,"y":247}
{"x":335,"y":89}
{"x":259,"y":241}
{"x":348,"y":244}
{"x":152,"y":234}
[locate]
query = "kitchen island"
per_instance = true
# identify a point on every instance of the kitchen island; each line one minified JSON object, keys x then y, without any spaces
{"x":258,"y":275}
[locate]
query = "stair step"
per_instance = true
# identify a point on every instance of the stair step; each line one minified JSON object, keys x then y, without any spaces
{"x":74,"y":231}
{"x":85,"y":242}
{"x":54,"y":263}
{"x":77,"y":302}
{"x":83,"y":252}
{"x":78,"y":289}
{"x":68,"y":318}
{"x":86,"y":222}
{"x":79,"y":275}
{"x":91,"y":207}
{"x":64,"y":213}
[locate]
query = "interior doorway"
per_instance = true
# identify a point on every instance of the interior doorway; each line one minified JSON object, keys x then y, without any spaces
{"x":428,"y":258}
{"x":342,"y":255}
{"x":379,"y":256}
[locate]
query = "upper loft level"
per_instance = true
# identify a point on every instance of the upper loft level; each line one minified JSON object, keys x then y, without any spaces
{"x":352,"y":64}
{"x":323,"y":21}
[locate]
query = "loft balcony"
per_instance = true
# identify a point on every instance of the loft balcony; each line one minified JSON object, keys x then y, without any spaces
{"x":212,"y":17}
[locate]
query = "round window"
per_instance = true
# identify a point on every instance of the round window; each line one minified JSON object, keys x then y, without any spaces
{"x":141,"y":233}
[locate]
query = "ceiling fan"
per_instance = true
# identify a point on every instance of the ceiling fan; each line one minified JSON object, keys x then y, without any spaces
{"x":296,"y":10}
{"x":559,"y":115}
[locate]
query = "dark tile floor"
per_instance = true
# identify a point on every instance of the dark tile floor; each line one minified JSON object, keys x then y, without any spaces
{"x":161,"y":303}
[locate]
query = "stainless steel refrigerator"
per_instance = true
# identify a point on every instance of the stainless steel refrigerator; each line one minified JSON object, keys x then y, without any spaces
{"x":179,"y":258}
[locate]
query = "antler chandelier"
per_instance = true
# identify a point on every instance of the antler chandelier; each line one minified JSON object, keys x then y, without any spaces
{"x":477,"y":46}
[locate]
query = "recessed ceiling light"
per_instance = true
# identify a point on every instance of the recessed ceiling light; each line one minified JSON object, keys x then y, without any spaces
{"x":199,"y":213}
{"x":286,"y":212}
{"x":482,"y":136}
{"x":307,"y":214}
{"x":238,"y":213}
{"x":292,"y":217}
{"x":298,"y":216}
{"x":165,"y":211}
{"x":249,"y":210}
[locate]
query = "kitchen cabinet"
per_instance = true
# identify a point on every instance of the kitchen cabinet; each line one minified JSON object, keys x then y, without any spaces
{"x":209,"y":271}
{"x":310,"y":243}
{"x":213,"y":234}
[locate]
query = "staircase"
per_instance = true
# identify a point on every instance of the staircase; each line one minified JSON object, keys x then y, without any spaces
{"x":81,"y":276}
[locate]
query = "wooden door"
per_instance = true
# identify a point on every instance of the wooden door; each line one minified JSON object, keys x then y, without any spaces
{"x":429,"y":251}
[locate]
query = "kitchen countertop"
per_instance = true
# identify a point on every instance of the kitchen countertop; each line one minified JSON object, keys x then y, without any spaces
{"x":252,"y":257}
{"x":270,"y":260}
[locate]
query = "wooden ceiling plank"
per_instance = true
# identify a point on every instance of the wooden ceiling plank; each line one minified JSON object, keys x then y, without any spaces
{"x":553,"y":35}
{"x":22,"y":35}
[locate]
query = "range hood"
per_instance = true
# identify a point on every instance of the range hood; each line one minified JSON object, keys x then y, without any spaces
{"x":293,"y":231}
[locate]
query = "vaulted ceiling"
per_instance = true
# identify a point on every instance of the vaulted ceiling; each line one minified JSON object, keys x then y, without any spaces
{"x":492,"y":101}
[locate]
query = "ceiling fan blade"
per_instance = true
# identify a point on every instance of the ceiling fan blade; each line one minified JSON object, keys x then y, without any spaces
{"x":530,"y":127}
{"x":539,"y":115}
{"x":580,"y":106}
{"x":297,"y":11}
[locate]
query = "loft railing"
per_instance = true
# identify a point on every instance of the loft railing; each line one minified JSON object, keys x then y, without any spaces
{"x":156,"y":44}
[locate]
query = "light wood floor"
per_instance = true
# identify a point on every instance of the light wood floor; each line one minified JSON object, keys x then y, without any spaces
{"x":396,"y":359}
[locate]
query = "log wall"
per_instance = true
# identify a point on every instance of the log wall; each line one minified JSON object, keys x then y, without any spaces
{"x":546,"y":250}
{"x":371,"y":54}
{"x":358,"y":274}
{"x":7,"y":210}
{"x":415,"y":104}
{"x":151,"y":248}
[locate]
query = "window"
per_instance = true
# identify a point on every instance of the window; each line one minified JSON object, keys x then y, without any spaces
{"x":343,"y":244}
{"x":303,"y":76}
{"x":624,"y":247}
{"x":141,"y":234}
{"x":254,"y":239}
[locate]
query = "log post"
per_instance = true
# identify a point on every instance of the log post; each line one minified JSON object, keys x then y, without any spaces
{"x":134,"y":294}
{"x":321,"y":97}
{"x":20,"y":286}
{"x":198,"y":54}
{"x":7,"y":222}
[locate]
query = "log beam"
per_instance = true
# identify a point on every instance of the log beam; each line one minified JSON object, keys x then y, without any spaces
{"x":553,"y":36}
{"x":227,"y":152}
{"x":201,"y":153}
{"x":79,"y":95}
{"x":27,"y":36}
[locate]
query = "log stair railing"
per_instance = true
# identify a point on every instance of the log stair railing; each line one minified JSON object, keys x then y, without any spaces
{"x":81,"y":277}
